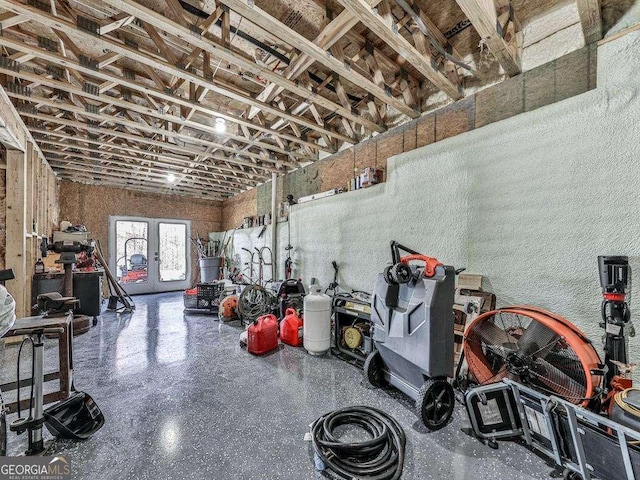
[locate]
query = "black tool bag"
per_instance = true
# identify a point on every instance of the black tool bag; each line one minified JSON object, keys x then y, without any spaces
{"x":77,"y":417}
{"x":626,"y":408}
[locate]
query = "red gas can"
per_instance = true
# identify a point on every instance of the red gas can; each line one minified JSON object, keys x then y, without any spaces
{"x":263,"y":335}
{"x":291,"y":328}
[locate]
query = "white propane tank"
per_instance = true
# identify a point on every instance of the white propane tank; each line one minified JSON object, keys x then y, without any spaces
{"x":317,"y":321}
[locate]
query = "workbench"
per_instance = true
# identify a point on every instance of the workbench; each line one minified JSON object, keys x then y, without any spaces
{"x":65,"y":356}
{"x":87,"y":287}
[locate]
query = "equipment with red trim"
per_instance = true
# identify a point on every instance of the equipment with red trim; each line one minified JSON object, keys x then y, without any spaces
{"x":534,"y":347}
{"x":413,"y":323}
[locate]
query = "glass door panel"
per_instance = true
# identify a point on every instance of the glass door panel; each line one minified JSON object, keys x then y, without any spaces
{"x":172,"y":252}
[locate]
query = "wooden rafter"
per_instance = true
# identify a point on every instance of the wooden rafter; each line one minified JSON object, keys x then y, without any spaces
{"x":591,"y":20}
{"x":385,"y":31}
{"x":196,"y":177}
{"x":133,"y":153}
{"x":486,"y":19}
{"x":286,"y":34}
{"x":143,"y":140}
{"x":57,"y":59}
{"x":207,"y":44}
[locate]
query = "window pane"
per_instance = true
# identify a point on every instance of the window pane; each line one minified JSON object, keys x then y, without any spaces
{"x":173,"y":252}
{"x":132,"y":251}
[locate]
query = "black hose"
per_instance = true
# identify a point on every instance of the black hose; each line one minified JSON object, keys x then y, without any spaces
{"x":381,"y":457}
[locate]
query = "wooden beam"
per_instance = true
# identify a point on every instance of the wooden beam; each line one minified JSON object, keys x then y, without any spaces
{"x":115,"y":165}
{"x":268,"y":23}
{"x":483,"y":15}
{"x":146,"y":141}
{"x":82,"y":176}
{"x":16,"y":222}
{"x":141,"y":127}
{"x":114,"y":23}
{"x":159,"y":42}
{"x":135,"y":86}
{"x":10,"y":19}
{"x":591,"y":20}
{"x":124,"y":160}
{"x":207,"y":45}
{"x":135,"y":154}
{"x":382,"y":29}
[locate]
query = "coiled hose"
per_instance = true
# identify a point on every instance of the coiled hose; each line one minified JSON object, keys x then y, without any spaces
{"x":379,"y":458}
{"x":255,"y":301}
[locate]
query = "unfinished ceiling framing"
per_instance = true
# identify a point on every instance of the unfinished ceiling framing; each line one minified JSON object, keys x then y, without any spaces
{"x":221,"y":94}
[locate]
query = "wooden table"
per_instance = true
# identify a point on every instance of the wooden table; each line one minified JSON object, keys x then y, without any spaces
{"x":65,"y":355}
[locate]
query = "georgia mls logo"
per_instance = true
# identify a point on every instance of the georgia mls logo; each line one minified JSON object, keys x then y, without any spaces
{"x":35,"y":468}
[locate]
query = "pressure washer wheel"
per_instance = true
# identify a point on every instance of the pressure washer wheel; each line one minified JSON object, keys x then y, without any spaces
{"x":435,"y":403}
{"x":373,"y":369}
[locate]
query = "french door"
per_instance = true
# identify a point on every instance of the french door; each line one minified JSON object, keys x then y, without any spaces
{"x":150,"y":255}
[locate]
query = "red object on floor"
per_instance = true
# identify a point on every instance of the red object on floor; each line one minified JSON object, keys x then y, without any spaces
{"x":263,"y":335}
{"x":291,"y":328}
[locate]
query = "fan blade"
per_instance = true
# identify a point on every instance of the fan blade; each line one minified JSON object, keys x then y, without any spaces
{"x":557,"y":381}
{"x":537,"y":339}
{"x":491,"y":334}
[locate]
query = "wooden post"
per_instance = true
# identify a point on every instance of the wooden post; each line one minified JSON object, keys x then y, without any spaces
{"x":16,"y":251}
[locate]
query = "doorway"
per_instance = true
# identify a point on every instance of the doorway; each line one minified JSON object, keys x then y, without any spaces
{"x":150,"y":255}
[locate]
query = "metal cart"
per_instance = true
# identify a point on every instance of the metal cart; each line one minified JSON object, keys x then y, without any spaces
{"x":582,"y":442}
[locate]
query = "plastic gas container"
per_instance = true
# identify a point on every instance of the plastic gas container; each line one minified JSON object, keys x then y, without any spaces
{"x":263,"y":335}
{"x":317,"y":321}
{"x":291,"y":328}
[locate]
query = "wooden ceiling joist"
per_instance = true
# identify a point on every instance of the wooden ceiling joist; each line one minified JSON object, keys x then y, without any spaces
{"x":143,"y":140}
{"x":129,"y":152}
{"x":290,"y":36}
{"x":591,"y":20}
{"x":207,"y":43}
{"x":124,"y":167}
{"x":204,"y":177}
{"x":57,"y":59}
{"x":118,"y":46}
{"x":385,"y":31}
{"x":82,"y":176}
{"x":115,"y":120}
{"x":503,"y":44}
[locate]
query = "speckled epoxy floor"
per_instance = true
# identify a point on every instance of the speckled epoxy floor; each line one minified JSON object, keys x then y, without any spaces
{"x":182,"y":400}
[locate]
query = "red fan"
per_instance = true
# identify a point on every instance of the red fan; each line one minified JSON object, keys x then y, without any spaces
{"x":534,"y":347}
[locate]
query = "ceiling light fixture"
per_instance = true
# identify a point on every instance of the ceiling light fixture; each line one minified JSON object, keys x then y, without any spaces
{"x":171,"y":178}
{"x":221,"y":125}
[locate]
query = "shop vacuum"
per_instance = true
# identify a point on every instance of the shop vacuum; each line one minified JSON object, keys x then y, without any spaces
{"x":412,"y":315}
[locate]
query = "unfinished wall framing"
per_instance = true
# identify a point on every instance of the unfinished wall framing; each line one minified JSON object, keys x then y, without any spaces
{"x":30,"y":201}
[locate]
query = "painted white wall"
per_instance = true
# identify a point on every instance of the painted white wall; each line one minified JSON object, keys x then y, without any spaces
{"x":528,"y":202}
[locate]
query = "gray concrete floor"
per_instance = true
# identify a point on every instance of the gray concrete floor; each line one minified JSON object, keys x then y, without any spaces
{"x":182,"y":400}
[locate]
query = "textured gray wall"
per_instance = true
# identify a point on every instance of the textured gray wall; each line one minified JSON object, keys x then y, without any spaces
{"x":529,"y":202}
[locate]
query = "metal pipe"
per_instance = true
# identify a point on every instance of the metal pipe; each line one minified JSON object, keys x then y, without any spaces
{"x":38,"y":378}
{"x":274,"y":223}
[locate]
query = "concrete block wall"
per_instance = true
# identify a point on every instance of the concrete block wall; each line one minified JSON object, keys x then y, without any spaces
{"x":567,"y":76}
{"x":529,"y":202}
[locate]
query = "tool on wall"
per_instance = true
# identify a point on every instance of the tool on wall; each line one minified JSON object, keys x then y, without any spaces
{"x":412,"y":313}
{"x":615,"y":278}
